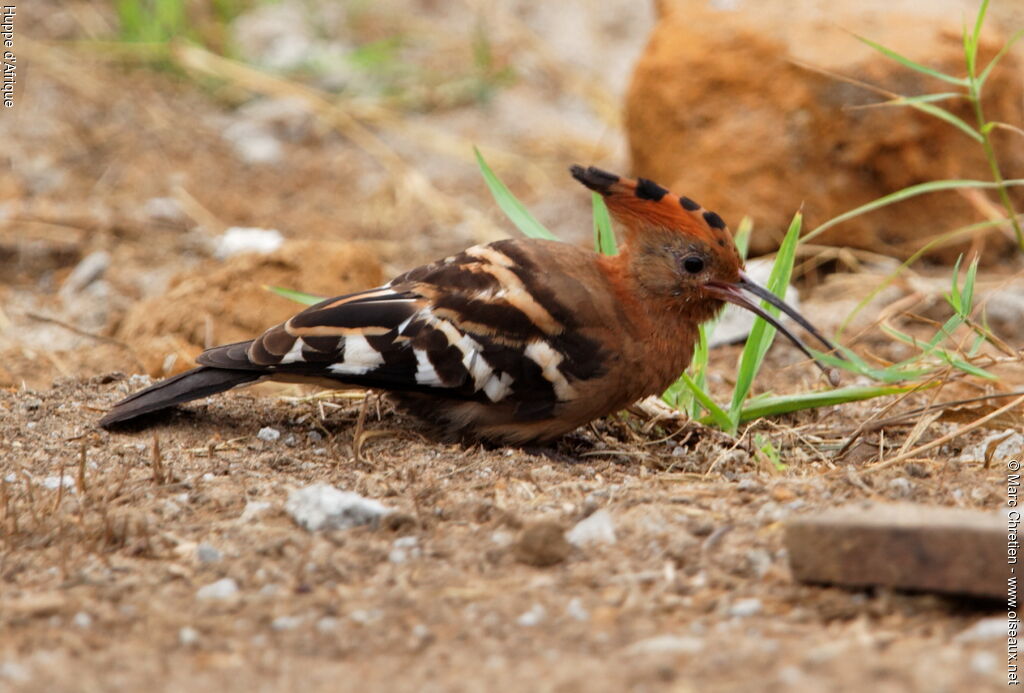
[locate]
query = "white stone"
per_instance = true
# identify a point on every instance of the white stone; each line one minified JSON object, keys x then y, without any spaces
{"x":188,"y":635}
{"x":992,"y":628}
{"x":163,"y":209}
{"x":253,"y":143}
{"x":239,"y":239}
{"x":576,"y":610}
{"x":286,"y":623}
{"x":532,"y":617}
{"x":205,"y":553}
{"x":670,"y":644}
{"x":225,"y":588}
{"x":82,"y":620}
{"x":320,"y":506}
{"x":598,"y":528}
{"x":404,"y":548}
{"x":53,"y":482}
{"x":268,"y":434}
{"x":901,"y":486}
{"x":254,"y":510}
{"x":746,"y":607}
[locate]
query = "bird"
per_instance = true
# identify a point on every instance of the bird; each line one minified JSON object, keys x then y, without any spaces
{"x":516,"y":342}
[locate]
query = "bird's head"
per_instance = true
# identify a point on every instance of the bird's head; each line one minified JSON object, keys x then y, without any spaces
{"x":682,"y":253}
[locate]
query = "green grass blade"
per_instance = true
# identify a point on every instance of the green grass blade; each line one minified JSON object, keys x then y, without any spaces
{"x":907,"y":62}
{"x":510,"y":205}
{"x":998,"y":56}
{"x":765,"y":447}
{"x":762,"y":334}
{"x":716,"y":414}
{"x":785,"y":404}
{"x":967,"y":293}
{"x":972,"y":55}
{"x":742,"y":236}
{"x":906,"y":194}
{"x":970,"y":368}
{"x":922,"y":98}
{"x":604,"y":236}
{"x":895,"y":373}
{"x":954,"y":298}
{"x":943,"y":114}
{"x":297,"y":296}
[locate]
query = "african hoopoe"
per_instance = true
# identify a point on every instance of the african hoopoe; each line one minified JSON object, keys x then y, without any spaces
{"x":518,"y":341}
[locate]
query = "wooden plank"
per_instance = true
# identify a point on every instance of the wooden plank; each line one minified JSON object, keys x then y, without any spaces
{"x":906,"y":546}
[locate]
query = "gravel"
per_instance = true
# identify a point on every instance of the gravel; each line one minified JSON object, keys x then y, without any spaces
{"x":238,"y":239}
{"x":671,"y":644}
{"x":535,"y":616}
{"x":225,"y":588}
{"x":188,"y":635}
{"x":746,"y":607}
{"x":598,"y":528}
{"x":205,"y":553}
{"x":320,"y":506}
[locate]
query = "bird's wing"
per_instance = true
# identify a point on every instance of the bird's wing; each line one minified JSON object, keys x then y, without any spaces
{"x":485,"y":325}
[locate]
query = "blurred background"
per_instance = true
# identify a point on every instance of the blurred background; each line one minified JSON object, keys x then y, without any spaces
{"x":146,"y":129}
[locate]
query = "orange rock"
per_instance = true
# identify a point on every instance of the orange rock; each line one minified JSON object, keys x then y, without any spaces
{"x":719,"y":110}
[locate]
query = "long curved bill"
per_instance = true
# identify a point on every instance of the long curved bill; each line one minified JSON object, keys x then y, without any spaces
{"x":734,"y":293}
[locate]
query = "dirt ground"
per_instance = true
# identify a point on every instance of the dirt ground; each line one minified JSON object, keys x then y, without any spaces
{"x":110,"y":542}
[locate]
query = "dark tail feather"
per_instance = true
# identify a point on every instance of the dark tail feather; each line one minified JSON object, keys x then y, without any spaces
{"x":184,"y":387}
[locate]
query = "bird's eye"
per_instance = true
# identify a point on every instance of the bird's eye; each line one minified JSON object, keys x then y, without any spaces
{"x":694,"y":264}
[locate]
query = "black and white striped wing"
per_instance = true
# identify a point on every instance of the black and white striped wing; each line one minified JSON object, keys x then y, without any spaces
{"x":475,"y":326}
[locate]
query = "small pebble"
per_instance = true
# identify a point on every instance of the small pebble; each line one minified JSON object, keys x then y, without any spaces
{"x":53,"y":482}
{"x":164,"y":209}
{"x":541,"y":544}
{"x":286,"y":623}
{"x":901,"y":487}
{"x":403,"y":549}
{"x":598,"y":528}
{"x":205,"y":553}
{"x":268,"y":434}
{"x":750,"y":486}
{"x":137,"y":382}
{"x":320,"y":506}
{"x":14,"y":672}
{"x":576,"y":610}
{"x":254,"y":510}
{"x":365,"y":616}
{"x":224,"y":588}
{"x":994,"y":627}
{"x":670,"y":644}
{"x":82,"y":619}
{"x":188,"y":635}
{"x":532,"y":617}
{"x":746,"y":607}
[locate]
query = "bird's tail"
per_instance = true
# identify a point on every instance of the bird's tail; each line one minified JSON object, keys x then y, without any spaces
{"x":185,"y":387}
